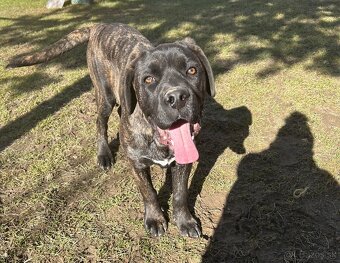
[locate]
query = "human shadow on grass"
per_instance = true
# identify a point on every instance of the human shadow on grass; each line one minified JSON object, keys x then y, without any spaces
{"x":291,"y":32}
{"x":17,"y":128}
{"x":282,"y":208}
{"x":221,"y":129}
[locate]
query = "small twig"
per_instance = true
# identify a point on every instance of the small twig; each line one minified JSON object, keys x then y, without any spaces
{"x":300,"y":192}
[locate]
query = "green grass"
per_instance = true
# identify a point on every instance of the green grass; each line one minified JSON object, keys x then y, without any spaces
{"x":272,"y":57}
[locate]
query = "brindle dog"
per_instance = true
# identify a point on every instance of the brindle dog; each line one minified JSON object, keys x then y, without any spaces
{"x":160,"y":93}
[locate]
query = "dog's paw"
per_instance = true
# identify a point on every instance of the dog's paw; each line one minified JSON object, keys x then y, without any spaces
{"x":105,"y":161}
{"x":188,"y":226}
{"x":104,"y":157}
{"x":156,"y":226}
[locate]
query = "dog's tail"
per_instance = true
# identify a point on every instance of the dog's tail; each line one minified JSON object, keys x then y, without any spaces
{"x":63,"y":45}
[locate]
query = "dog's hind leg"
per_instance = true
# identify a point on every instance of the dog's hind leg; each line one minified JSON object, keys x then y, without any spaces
{"x":104,"y":155}
{"x":105,"y":102}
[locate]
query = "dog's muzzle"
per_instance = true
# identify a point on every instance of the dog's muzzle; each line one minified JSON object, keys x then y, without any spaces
{"x":180,"y":138}
{"x":176,"y":98}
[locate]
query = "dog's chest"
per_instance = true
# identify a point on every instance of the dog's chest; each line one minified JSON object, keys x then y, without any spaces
{"x":143,"y":146}
{"x":146,"y":153}
{"x":155,"y":154}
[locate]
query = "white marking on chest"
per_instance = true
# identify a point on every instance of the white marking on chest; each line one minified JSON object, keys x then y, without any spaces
{"x":164,"y":162}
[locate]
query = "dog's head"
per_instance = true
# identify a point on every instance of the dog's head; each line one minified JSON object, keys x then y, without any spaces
{"x":169,"y":82}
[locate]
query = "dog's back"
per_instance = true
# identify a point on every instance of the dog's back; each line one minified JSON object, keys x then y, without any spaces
{"x":111,"y":50}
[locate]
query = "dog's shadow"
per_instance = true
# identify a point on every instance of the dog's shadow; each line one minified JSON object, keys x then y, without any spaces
{"x":221,"y":129}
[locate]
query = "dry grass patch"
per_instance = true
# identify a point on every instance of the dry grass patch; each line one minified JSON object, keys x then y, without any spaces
{"x":267,"y":185}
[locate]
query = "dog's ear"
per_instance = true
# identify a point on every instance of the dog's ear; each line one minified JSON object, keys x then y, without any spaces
{"x":190,"y":43}
{"x":128,"y":94}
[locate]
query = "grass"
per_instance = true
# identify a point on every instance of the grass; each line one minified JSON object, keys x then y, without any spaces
{"x":272,"y":129}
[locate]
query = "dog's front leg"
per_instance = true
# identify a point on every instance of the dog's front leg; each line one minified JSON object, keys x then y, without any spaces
{"x":185,"y":222}
{"x":154,"y":220}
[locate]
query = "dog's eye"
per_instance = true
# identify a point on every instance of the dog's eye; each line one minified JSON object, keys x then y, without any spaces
{"x":192,"y":71}
{"x":149,"y":80}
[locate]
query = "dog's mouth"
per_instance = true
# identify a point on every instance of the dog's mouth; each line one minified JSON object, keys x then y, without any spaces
{"x":179,"y":137}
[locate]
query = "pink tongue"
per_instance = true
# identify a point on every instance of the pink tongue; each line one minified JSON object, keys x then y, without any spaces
{"x":184,"y":147}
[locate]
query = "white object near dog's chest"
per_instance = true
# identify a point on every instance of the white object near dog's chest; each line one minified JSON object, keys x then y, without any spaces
{"x":164,"y":163}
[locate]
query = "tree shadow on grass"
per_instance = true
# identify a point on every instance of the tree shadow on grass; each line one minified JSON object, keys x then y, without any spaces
{"x":286,"y":32}
{"x":25,"y":84}
{"x":41,"y":222}
{"x":17,"y":128}
{"x":282,"y":208}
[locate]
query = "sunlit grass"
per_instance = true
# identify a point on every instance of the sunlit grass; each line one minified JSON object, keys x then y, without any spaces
{"x":275,"y":58}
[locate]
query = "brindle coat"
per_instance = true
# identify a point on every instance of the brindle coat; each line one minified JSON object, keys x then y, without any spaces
{"x":119,"y":59}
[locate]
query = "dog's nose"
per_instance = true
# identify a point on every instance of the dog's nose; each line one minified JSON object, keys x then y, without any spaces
{"x":177,"y":98}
